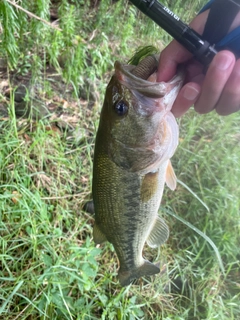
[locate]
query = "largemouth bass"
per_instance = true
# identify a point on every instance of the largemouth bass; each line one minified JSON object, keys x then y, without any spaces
{"x":137,"y":136}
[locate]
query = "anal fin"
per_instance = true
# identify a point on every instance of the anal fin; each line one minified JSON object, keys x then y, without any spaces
{"x":98,"y":236}
{"x":159,"y":233}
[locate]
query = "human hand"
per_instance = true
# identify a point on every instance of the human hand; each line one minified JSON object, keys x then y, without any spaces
{"x":218,"y":89}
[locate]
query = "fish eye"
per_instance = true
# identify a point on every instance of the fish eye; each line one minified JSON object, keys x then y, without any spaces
{"x":121,"y":107}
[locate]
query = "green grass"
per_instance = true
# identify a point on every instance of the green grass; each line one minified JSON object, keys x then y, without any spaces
{"x":49,"y":265}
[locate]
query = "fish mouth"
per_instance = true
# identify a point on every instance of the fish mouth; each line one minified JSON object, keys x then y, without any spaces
{"x":149,"y":96}
{"x":126,"y":77}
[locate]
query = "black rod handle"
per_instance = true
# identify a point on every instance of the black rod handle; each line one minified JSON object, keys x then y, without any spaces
{"x":171,"y":23}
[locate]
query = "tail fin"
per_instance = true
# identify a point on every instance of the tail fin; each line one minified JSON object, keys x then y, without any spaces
{"x":147,"y":269}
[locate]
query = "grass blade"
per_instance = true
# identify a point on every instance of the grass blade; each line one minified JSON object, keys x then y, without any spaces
{"x":10,"y":297}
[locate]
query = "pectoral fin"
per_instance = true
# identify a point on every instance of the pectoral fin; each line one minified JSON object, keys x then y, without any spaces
{"x":98,"y":236}
{"x":159,"y":233}
{"x":171,"y":179}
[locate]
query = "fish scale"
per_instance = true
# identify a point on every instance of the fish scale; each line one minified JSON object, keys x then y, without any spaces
{"x":137,"y":136}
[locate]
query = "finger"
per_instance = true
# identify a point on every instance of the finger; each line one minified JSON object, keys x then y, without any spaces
{"x":215,"y":80}
{"x":186,"y":98}
{"x":229,"y":101}
{"x":175,"y":53}
{"x":168,"y":67}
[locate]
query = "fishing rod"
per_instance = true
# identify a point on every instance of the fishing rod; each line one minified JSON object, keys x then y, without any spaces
{"x":202,"y":50}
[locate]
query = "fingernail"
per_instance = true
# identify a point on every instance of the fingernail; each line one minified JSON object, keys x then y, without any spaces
{"x":190,"y":93}
{"x":223,"y":61}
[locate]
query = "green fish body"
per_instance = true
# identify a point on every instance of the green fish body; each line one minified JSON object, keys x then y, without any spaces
{"x":137,"y":136}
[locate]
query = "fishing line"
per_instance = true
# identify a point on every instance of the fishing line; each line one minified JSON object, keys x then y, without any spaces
{"x":202,"y":234}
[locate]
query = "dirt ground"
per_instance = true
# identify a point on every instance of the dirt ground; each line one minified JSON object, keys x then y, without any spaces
{"x":49,"y":97}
